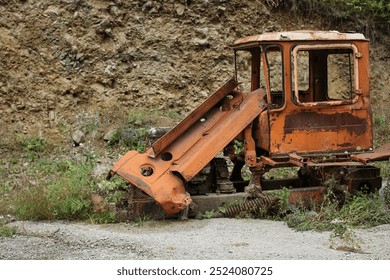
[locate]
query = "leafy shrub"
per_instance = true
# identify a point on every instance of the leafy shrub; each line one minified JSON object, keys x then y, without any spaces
{"x":31,"y":204}
{"x":65,"y":195}
{"x":33,"y":147}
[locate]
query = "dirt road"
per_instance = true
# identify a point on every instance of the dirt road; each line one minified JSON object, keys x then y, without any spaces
{"x":192,"y":239}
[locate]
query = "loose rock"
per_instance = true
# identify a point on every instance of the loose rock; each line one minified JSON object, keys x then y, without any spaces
{"x":78,"y":137}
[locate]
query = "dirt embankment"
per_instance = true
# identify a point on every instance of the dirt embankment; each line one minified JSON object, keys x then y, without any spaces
{"x":65,"y":61}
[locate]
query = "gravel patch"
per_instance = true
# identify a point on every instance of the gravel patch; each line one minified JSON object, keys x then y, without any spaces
{"x":193,"y":239}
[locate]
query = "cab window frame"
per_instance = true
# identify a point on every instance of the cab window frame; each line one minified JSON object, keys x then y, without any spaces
{"x":330,"y":47}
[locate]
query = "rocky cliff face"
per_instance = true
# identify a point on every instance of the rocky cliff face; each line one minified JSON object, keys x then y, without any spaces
{"x":65,"y":60}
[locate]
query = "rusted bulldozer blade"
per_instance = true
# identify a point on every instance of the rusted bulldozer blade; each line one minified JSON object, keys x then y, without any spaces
{"x":154,"y":178}
{"x":163,"y":175}
{"x":193,"y":117}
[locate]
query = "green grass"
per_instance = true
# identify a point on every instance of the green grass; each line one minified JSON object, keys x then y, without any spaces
{"x":130,"y":138}
{"x":42,"y":184}
{"x":62,"y":190}
{"x":54,"y":185}
{"x":66,"y":195}
{"x":142,"y":220}
{"x":102,"y":218}
{"x":6,"y":231}
{"x":380,"y":121}
{"x":361,"y":210}
{"x":33,"y":144}
{"x":381,"y":129}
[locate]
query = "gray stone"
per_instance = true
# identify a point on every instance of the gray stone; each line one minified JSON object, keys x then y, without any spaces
{"x":52,"y":115}
{"x":80,"y":57}
{"x":78,"y":137}
{"x":109,"y":135}
{"x":101,"y":169}
{"x":51,"y":10}
{"x":200,"y":42}
{"x":180,"y":8}
{"x":157,"y":132}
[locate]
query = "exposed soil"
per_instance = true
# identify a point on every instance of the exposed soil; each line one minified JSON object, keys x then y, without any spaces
{"x":67,"y":63}
{"x":192,"y":239}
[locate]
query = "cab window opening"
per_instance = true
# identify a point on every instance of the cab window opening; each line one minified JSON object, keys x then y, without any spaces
{"x":326,"y":74}
{"x":273,"y":75}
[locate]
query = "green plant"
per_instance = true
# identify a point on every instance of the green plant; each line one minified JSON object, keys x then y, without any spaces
{"x":208,"y":214}
{"x":142,"y":117}
{"x":141,"y":220}
{"x":33,"y":144}
{"x":134,"y":135}
{"x":283,"y":172}
{"x":360,"y":210}
{"x":173,"y":114}
{"x":31,"y":204}
{"x":6,"y":231}
{"x":139,"y":117}
{"x":102,"y":218}
{"x":69,"y":196}
{"x":385,"y":169}
{"x":345,"y":240}
{"x":365,"y":210}
{"x":380,"y":120}
{"x":131,"y":138}
{"x":223,"y":209}
{"x":65,"y":194}
{"x":381,"y":130}
{"x":91,"y":127}
{"x":386,"y":194}
{"x":283,"y":201}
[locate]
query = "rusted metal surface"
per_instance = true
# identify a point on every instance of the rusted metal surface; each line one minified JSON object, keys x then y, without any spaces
{"x":304,"y":35}
{"x":162,"y":177}
{"x":315,"y":121}
{"x":193,"y":117}
{"x":154,"y":180}
{"x":366,"y":179}
{"x":309,"y":195}
{"x":263,"y":202}
{"x":314,"y":113}
{"x":268,"y":161}
{"x":323,"y":126}
{"x":382,"y":153}
{"x":296,"y":160}
{"x":199,"y":146}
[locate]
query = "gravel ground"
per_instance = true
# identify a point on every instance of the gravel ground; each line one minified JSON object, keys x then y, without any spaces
{"x":193,"y":239}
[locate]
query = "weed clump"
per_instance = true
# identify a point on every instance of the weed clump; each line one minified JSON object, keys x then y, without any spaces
{"x":360,"y":210}
{"x":61,"y":190}
{"x":131,"y":138}
{"x":6,"y":231}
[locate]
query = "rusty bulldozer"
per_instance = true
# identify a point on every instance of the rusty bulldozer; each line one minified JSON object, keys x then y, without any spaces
{"x":297,"y":99}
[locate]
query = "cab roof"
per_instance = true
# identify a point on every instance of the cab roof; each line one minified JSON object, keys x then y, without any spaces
{"x":300,"y":35}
